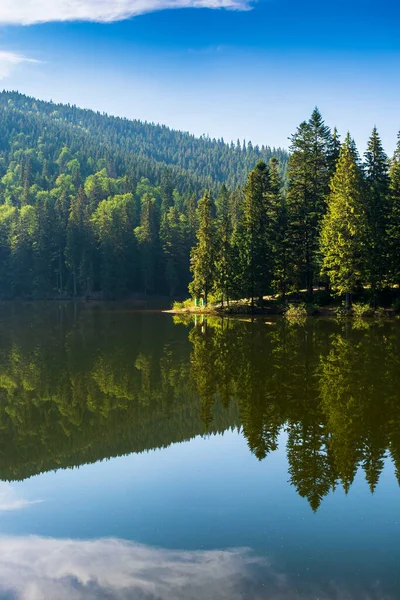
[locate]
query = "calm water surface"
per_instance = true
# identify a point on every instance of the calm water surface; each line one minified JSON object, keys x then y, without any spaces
{"x":150,"y":458}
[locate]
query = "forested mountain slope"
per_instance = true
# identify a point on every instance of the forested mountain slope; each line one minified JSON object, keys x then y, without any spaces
{"x":125,"y":146}
{"x":97,"y":206}
{"x":92,"y":204}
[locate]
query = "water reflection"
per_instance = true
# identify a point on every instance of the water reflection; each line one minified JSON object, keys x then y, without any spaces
{"x":114,"y":569}
{"x":11,"y":500}
{"x":79,"y":385}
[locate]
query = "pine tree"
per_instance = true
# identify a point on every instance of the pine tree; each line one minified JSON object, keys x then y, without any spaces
{"x":309,"y":173}
{"x":27,"y":182}
{"x":45,"y":247}
{"x":62,"y":213}
{"x":203,"y":254}
{"x":172,"y":235}
{"x":254,"y":235}
{"x":22,"y":238}
{"x":344,"y":225}
{"x":78,"y":251}
{"x":236,"y":208}
{"x":7,"y":217}
{"x":223,"y":262}
{"x":394,"y":217}
{"x":280,"y":230}
{"x":148,"y":240}
{"x":334,"y":151}
{"x":167,"y":191}
{"x":192,"y":219}
{"x":113,"y":224}
{"x":377,"y":210}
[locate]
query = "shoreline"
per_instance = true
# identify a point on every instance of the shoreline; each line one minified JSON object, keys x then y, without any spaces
{"x":243,"y":311}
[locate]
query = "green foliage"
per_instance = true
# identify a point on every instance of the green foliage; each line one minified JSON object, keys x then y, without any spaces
{"x":342,"y":312}
{"x":174,"y":236}
{"x":187,"y":304}
{"x":254,"y":236}
{"x":296,"y":314}
{"x":224,"y":260}
{"x":377,"y":209}
{"x":122,"y":146}
{"x":113,"y":222}
{"x":322,"y":298}
{"x":309,"y":171}
{"x":394,"y":218}
{"x":204,"y":254}
{"x":361,"y":310}
{"x":95,"y":206}
{"x":380,"y":313}
{"x":280,"y":234}
{"x":148,"y":243}
{"x":77,"y":387}
{"x":344,"y":225}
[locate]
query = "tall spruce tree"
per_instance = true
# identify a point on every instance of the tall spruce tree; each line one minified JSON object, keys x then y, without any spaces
{"x":344,"y":225}
{"x":45,"y":248}
{"x":334,"y":151}
{"x":173,"y":235}
{"x":113,"y":224}
{"x":394,"y":217}
{"x":280,"y":239}
{"x":254,"y":235}
{"x":148,"y":241}
{"x":79,"y":244}
{"x":167,"y":191}
{"x":377,"y":210}
{"x":224,"y":254}
{"x":309,"y":172}
{"x":203,"y":254}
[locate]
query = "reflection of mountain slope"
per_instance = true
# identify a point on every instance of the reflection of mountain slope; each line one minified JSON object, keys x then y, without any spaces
{"x":101,"y":438}
{"x":114,"y":385}
{"x":81,"y":386}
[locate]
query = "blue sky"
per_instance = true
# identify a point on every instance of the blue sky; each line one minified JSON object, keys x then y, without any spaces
{"x":251,"y":70}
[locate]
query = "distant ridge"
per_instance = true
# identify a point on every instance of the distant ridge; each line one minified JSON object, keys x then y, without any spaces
{"x":140,"y":148}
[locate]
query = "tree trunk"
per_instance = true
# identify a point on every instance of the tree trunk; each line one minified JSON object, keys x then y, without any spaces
{"x":60,"y":271}
{"x":347,"y":301}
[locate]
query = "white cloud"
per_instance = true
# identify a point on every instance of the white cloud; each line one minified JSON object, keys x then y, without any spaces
{"x":36,"y":568}
{"x":10,"y":60}
{"x":9,"y":498}
{"x":28,"y":12}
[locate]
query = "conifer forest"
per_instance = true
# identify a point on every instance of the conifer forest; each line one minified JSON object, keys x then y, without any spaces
{"x":97,"y":206}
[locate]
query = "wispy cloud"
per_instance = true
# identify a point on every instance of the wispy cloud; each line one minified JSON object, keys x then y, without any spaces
{"x":35,"y":567}
{"x":10,"y":60}
{"x":28,"y":12}
{"x":9,"y":498}
{"x":113,"y":569}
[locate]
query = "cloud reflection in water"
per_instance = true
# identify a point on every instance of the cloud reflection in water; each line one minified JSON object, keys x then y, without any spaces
{"x":36,"y":568}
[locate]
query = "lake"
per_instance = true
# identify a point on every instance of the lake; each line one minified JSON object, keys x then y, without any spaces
{"x":151,"y":457}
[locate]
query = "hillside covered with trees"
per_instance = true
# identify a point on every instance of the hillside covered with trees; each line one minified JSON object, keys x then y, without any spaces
{"x":91,"y":203}
{"x":98,"y":206}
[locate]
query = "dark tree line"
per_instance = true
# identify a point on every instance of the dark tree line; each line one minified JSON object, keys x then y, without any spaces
{"x":335,"y":223}
{"x":96,"y":205}
{"x":335,"y":392}
{"x":91,"y":203}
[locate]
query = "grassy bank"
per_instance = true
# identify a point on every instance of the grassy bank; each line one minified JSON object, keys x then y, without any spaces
{"x":295,"y":307}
